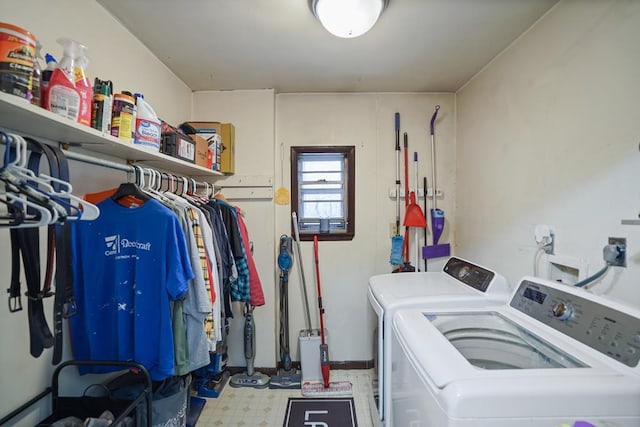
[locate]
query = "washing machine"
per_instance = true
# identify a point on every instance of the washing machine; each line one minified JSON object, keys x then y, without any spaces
{"x":552,"y":355}
{"x":460,"y":282}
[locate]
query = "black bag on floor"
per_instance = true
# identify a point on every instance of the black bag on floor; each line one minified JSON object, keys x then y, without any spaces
{"x":169,"y":399}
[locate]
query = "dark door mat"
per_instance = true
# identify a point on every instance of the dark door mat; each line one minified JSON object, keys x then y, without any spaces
{"x":334,"y":412}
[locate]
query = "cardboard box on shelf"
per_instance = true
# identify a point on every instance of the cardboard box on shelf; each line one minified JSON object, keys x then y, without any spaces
{"x":227,"y":133}
{"x":202,"y":150}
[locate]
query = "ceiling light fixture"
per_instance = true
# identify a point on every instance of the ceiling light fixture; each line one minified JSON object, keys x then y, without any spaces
{"x":348,"y":18}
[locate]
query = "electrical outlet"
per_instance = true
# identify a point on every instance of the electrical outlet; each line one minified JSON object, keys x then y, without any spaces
{"x":620,"y":244}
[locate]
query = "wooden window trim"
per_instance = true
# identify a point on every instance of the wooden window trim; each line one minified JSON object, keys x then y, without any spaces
{"x":350,"y":154}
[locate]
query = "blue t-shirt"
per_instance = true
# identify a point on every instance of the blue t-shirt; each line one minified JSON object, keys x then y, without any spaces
{"x":128,"y":264}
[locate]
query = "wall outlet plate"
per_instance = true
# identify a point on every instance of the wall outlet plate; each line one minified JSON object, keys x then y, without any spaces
{"x":621,"y":242}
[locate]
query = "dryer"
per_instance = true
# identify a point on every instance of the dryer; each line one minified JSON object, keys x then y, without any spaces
{"x":459,"y":283}
{"x":553,"y":355}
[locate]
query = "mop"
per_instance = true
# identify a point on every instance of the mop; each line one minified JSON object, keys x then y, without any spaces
{"x":397,"y":241}
{"x":250,"y":378}
{"x":287,"y":376}
{"x":324,"y":388}
{"x":436,"y":250}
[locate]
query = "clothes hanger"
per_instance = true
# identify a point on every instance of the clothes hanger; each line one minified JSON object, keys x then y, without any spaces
{"x":152,"y":187}
{"x":83,"y":209}
{"x":130,"y":190}
{"x":13,"y":174}
{"x":39,"y":215}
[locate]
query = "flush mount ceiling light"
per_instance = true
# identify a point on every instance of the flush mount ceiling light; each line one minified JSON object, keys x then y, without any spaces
{"x":348,"y":18}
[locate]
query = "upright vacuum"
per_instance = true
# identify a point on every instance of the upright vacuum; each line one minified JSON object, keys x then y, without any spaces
{"x":287,"y":376}
{"x":250,"y":378}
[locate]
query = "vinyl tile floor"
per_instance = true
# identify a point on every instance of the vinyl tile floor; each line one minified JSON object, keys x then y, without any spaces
{"x":250,"y":407}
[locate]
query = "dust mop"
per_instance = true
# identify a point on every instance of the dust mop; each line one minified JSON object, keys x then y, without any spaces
{"x":397,"y":241}
{"x":324,"y":388}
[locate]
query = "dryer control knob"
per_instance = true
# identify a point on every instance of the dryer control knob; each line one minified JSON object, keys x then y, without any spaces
{"x":562,"y":311}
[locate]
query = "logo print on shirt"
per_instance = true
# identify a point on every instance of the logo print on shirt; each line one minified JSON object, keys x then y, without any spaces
{"x":113,"y":245}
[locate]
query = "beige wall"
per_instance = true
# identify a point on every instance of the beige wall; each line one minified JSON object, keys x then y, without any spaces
{"x":253,"y":114}
{"x":115,"y":55}
{"x":367,"y":122}
{"x":548,"y":134}
{"x":363,"y":120}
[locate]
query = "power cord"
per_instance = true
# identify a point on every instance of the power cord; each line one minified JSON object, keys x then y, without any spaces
{"x":536,"y":259}
{"x":544,"y":239}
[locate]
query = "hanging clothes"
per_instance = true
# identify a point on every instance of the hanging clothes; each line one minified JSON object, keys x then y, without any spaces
{"x":240,"y":290}
{"x":256,"y":295}
{"x":129,"y":264}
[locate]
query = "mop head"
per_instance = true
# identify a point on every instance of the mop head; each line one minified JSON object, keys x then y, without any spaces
{"x":317,"y":389}
{"x":396,"y":250}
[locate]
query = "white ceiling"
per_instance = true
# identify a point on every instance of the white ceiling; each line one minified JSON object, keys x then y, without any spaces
{"x":416,"y":46}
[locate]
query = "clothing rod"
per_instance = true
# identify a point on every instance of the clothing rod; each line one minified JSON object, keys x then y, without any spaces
{"x":119,"y":166}
{"x":98,"y":162}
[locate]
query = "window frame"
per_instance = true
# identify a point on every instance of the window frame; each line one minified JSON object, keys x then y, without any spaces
{"x":348,"y":151}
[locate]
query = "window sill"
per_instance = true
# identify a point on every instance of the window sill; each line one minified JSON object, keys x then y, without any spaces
{"x":308,"y":237}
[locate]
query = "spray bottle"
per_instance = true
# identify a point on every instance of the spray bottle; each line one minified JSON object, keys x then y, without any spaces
{"x":83,"y":86}
{"x":61,"y":95}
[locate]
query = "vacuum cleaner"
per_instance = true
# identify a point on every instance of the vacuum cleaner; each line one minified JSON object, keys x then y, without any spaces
{"x":287,"y":376}
{"x":250,"y":378}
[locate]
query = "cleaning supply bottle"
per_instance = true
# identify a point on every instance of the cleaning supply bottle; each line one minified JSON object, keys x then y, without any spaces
{"x":61,"y":95}
{"x":36,"y":77}
{"x":102,"y":104}
{"x":52,"y":64}
{"x":147,"y":128}
{"x":83,"y":86}
{"x":122,"y":118}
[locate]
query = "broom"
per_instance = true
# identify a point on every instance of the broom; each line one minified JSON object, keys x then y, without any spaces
{"x":324,"y":388}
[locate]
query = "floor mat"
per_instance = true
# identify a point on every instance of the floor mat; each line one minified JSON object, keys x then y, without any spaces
{"x":320,"y":412}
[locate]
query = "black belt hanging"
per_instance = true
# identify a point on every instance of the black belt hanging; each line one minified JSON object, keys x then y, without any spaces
{"x":25,"y":243}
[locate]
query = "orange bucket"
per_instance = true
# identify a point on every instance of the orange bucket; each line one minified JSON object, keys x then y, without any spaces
{"x":17,"y":57}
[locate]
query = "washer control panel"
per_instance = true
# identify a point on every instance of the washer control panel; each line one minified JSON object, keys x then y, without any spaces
{"x":603,"y":328}
{"x":470,"y":274}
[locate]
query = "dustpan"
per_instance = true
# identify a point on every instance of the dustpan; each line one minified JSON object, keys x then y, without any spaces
{"x":414,"y":217}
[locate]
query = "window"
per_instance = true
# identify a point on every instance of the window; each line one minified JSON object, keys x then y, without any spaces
{"x":323,"y":196}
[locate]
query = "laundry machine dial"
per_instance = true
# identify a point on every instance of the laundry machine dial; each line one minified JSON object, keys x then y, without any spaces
{"x":562,"y":311}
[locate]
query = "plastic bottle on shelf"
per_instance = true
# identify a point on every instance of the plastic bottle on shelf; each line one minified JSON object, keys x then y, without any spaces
{"x":122,"y":124}
{"x":52,"y":64}
{"x":61,"y":96}
{"x":36,"y":77}
{"x":83,"y":86}
{"x":102,"y":104}
{"x":147,"y":127}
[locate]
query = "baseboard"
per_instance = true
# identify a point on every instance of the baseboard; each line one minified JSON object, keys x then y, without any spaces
{"x":348,"y":364}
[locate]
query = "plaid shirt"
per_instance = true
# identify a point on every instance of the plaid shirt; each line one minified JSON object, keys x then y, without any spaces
{"x":204,"y":264}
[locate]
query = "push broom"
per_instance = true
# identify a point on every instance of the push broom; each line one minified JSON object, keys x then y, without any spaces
{"x":324,"y":388}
